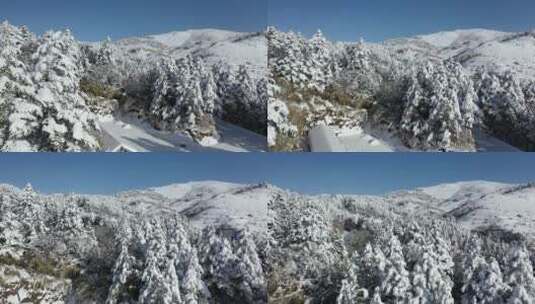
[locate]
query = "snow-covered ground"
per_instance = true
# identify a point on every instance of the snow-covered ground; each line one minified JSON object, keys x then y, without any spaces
{"x":137,"y":136}
{"x":333,"y":139}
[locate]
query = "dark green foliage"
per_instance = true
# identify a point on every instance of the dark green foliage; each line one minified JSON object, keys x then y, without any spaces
{"x":241,"y":115}
{"x":97,"y":89}
{"x":388,"y":104}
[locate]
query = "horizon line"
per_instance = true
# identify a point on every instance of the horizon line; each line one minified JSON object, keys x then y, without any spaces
{"x":285,"y":188}
{"x":300,"y":33}
{"x":142,"y":35}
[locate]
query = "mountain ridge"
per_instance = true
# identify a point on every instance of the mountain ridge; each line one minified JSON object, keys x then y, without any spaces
{"x":246,"y":205}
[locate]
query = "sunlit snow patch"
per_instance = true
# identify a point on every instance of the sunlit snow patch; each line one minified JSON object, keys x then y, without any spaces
{"x":139,"y":136}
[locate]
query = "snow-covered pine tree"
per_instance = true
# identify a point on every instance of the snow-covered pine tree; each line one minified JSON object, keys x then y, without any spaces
{"x":319,"y":65}
{"x":488,"y":285}
{"x":239,"y":101}
{"x":279,"y":124}
{"x":17,"y":109}
{"x":372,"y":264}
{"x":179,"y":102}
{"x":432,"y":266}
{"x":155,"y":284}
{"x":186,"y":263}
{"x":286,"y":56}
{"x":253,"y":284}
{"x":358,"y":73}
{"x":439,"y":108}
{"x":106,"y":65}
{"x":350,"y":291}
{"x":172,"y":284}
{"x":124,"y":268}
{"x":219,"y":261}
{"x":245,"y":104}
{"x":395,"y":284}
{"x":506,"y":112}
{"x":519,"y":275}
{"x":428,"y":283}
{"x":106,"y":54}
{"x":376,"y":298}
{"x":65,"y":124}
{"x":28,"y":190}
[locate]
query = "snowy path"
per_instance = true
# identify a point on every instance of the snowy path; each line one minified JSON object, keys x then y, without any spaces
{"x":136,"y":136}
{"x":366,"y":140}
{"x":361,"y":141}
{"x":331,"y":139}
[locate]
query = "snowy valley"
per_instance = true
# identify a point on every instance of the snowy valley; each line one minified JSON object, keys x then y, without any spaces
{"x":196,"y":90}
{"x":465,"y":90}
{"x":217,"y":242}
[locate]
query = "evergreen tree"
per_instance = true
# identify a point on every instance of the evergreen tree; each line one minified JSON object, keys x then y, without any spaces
{"x":395,"y":283}
{"x":186,"y":263}
{"x":351,"y":292}
{"x":376,"y":299}
{"x":372,"y":265}
{"x":155,"y":283}
{"x":439,"y":108}
{"x":506,"y":108}
{"x":123,"y":268}
{"x":519,"y":274}
{"x":253,"y":284}
{"x":67,"y":123}
{"x":179,"y":99}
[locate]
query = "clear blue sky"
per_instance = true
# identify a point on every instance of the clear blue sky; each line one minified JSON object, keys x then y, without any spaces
{"x":308,"y":173}
{"x":96,"y":19}
{"x":376,"y":20}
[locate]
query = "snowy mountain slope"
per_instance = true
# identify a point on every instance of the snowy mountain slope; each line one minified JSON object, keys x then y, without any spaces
{"x":461,"y":39}
{"x":475,"y":48}
{"x":212,"y":45}
{"x":409,"y":48}
{"x":451,"y":43}
{"x":203,"y":203}
{"x":454,"y":191}
{"x":513,"y":52}
{"x":482,"y":205}
{"x":214,"y":202}
{"x":191,"y":190}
